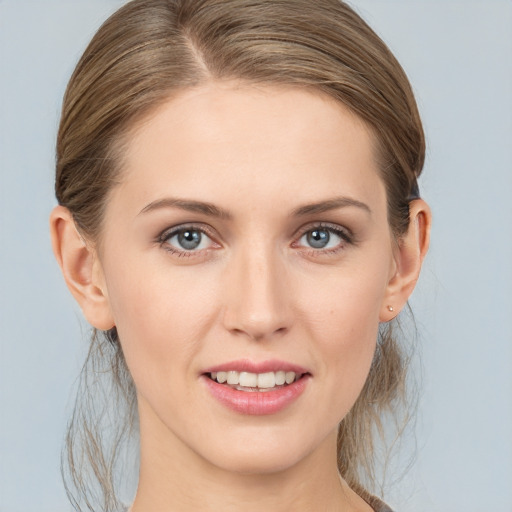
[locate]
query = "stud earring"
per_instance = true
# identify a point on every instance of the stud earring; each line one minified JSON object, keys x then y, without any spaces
{"x":390,"y":308}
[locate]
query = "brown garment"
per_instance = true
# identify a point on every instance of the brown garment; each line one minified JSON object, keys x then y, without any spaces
{"x":375,"y":503}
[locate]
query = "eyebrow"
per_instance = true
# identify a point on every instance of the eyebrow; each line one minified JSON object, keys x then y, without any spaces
{"x":188,"y":205}
{"x":330,"y":204}
{"x":212,"y":210}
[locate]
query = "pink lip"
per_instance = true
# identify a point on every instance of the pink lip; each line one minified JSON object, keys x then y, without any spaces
{"x":244,"y":365}
{"x":257,"y":402}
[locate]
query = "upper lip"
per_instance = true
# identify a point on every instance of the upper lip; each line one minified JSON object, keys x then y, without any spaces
{"x":245,"y":365}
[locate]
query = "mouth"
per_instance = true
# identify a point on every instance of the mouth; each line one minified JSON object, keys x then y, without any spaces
{"x":256,"y":388}
{"x":255,"y":382}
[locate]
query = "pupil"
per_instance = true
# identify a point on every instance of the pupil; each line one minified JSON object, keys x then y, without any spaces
{"x":189,"y":239}
{"x":318,"y":238}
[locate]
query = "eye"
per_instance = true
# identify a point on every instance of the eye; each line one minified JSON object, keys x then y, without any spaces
{"x":324,"y":238}
{"x":319,"y":238}
{"x":186,"y":239}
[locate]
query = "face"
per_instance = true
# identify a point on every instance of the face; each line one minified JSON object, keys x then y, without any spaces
{"x":247,"y":241}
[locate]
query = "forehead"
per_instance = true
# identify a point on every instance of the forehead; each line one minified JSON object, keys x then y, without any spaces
{"x":222,"y":137}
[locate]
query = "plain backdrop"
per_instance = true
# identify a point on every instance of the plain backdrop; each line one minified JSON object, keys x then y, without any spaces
{"x":458,"y":55}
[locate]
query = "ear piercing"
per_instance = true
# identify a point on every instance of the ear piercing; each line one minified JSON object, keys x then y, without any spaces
{"x":390,"y":308}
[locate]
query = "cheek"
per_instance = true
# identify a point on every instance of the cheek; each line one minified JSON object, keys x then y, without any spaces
{"x":344,"y":323}
{"x":345,"y":309}
{"x":347,"y":339}
{"x":161,"y":317}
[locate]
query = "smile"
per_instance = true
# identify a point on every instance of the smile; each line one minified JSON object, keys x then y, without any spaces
{"x":256,"y":388}
{"x":254,"y":382}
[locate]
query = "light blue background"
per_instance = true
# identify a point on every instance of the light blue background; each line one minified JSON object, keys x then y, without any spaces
{"x":458,"y":55}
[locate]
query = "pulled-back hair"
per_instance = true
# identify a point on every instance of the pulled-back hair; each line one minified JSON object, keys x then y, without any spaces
{"x":149,"y":51}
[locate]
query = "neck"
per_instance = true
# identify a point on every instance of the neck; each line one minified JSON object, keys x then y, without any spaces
{"x":174,"y":478}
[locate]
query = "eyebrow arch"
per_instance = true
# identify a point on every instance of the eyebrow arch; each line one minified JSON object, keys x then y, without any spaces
{"x":189,"y":205}
{"x":330,"y":204}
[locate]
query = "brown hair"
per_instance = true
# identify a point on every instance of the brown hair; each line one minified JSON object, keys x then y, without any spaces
{"x":151,"y":48}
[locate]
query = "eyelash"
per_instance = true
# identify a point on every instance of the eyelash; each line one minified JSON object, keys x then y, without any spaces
{"x":344,"y":234}
{"x":165,"y":236}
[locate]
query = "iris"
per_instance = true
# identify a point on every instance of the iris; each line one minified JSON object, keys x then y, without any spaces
{"x":189,"y":239}
{"x":318,"y":238}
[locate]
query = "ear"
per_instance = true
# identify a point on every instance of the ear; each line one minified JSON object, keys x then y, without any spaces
{"x":409,"y":256}
{"x":81,"y":269}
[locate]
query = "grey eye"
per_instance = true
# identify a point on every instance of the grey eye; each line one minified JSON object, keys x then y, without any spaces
{"x":318,"y":238}
{"x":321,"y":238}
{"x":189,"y":239}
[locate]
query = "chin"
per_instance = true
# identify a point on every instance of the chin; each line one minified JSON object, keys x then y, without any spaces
{"x":263,"y":454}
{"x":260,"y":464}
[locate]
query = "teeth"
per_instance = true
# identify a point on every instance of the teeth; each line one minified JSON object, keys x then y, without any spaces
{"x":290,"y":377}
{"x":233,"y":377}
{"x":266,"y":380}
{"x":248,"y":380}
{"x":255,"y":380}
{"x":281,"y":378}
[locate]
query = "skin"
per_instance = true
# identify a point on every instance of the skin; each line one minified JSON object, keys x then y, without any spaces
{"x":254,"y":289}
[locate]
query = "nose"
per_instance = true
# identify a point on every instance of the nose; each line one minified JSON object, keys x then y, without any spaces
{"x":257,"y":295}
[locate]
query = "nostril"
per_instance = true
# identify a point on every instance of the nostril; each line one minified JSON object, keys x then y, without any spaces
{"x":259,"y":334}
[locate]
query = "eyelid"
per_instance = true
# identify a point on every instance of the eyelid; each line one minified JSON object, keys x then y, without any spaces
{"x":342,"y":231}
{"x":168,"y":233}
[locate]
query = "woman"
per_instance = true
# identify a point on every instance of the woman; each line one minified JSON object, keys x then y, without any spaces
{"x":239,"y":215}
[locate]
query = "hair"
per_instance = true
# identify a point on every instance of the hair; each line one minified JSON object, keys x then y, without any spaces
{"x":151,"y":49}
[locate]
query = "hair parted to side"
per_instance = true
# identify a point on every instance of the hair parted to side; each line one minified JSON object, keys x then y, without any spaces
{"x":151,"y":49}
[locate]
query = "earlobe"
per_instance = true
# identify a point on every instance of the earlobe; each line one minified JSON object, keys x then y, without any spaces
{"x":81,"y":269}
{"x":410,"y":254}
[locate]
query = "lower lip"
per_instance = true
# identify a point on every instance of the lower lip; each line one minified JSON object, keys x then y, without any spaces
{"x":257,"y":402}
